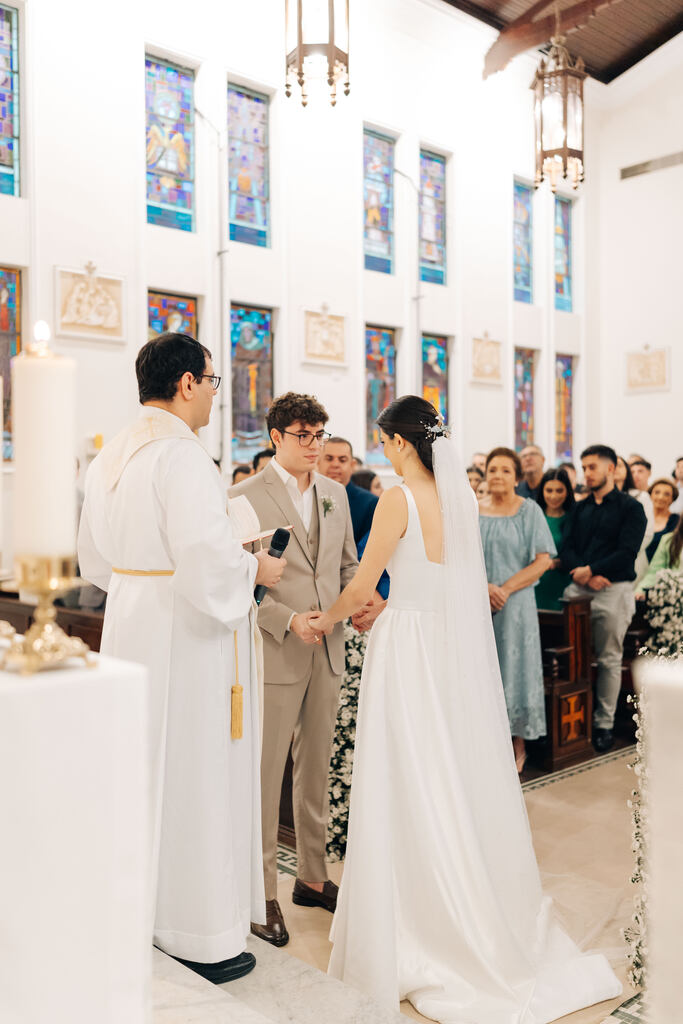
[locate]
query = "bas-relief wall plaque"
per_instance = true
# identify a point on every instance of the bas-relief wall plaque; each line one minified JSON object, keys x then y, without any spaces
{"x":487,"y":361}
{"x":324,"y":338}
{"x":648,"y":371}
{"x":88,"y":304}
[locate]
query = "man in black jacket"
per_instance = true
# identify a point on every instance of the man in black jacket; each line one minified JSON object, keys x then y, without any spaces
{"x":599,"y":549}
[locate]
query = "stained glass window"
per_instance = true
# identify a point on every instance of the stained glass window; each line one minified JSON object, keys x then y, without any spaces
{"x":378,"y":194}
{"x":248,"y":166}
{"x":9,"y":101}
{"x":432,"y":217}
{"x":563,"y":254}
{"x":564,"y":407}
{"x":252,"y":379}
{"x":435,"y":372}
{"x":525,"y":370}
{"x":10,"y":345}
{"x":380,"y":366}
{"x":169,"y":101}
{"x":523,"y":244}
{"x":166,"y":312}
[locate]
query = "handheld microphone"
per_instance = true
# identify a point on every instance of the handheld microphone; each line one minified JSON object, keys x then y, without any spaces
{"x":278,"y":543}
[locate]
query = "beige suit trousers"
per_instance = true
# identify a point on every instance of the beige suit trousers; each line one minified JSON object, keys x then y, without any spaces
{"x":308,"y":710}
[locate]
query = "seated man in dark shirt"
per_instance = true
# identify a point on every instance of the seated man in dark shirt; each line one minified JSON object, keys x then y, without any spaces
{"x":336,"y":462}
{"x":601,"y":541}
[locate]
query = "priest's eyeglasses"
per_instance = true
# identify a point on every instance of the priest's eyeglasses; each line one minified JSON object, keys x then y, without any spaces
{"x":306,"y":437}
{"x":215,"y":381}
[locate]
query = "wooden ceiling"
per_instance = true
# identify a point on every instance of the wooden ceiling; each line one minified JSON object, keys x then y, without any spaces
{"x":612,"y":35}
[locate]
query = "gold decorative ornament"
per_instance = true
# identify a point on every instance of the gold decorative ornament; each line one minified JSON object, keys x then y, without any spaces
{"x":45,"y":644}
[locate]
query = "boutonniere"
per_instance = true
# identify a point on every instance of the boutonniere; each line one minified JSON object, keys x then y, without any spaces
{"x":329,"y":504}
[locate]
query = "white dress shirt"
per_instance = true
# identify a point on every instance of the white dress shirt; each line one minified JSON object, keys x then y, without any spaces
{"x":303,"y":500}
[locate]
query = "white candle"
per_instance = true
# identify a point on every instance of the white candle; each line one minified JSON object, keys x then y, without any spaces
{"x":44,"y":429}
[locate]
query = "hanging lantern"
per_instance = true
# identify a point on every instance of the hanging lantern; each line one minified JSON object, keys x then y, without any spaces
{"x":317,"y":44}
{"x":558,"y":116}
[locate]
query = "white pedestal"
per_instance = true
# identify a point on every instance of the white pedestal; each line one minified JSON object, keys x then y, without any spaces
{"x":75,"y":946}
{"x":662,"y":686}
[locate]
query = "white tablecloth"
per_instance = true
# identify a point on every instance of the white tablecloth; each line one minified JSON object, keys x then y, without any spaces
{"x":75,"y":946}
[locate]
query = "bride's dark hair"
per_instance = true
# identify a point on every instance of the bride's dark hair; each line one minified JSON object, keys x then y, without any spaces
{"x":411,"y":417}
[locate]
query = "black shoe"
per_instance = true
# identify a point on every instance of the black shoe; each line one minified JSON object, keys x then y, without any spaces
{"x":275,"y":929}
{"x":603,"y":740}
{"x":225,"y":970}
{"x":304,"y":896}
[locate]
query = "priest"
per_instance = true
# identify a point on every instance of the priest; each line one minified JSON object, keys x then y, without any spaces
{"x":155,"y":535}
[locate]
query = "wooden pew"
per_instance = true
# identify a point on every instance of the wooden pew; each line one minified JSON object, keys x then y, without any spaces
{"x":567,"y":676}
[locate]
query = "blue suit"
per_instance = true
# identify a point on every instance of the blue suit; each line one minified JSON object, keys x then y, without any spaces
{"x":362,"y":505}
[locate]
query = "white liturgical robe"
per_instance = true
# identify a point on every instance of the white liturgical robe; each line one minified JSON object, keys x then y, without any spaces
{"x":154,"y":502}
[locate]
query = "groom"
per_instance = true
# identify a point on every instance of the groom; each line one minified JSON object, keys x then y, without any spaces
{"x":302,"y":669}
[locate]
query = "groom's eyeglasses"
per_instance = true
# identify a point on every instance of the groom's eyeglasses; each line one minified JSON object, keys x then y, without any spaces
{"x":306,"y":438}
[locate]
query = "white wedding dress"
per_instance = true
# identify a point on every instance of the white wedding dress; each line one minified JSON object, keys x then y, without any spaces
{"x":441,"y":901}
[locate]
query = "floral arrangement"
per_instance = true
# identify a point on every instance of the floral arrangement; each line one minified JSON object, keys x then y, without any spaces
{"x":664,"y":612}
{"x":636,"y":934}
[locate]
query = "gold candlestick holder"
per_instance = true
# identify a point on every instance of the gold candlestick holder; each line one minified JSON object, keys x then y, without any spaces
{"x":45,"y":644}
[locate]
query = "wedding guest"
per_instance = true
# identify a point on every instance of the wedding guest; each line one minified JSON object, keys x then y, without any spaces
{"x":677,"y":475}
{"x":368,"y":480}
{"x":599,"y":549}
{"x":475,"y":477}
{"x":479,"y":460}
{"x":518,"y":549}
{"x":556,"y":500}
{"x":663,"y":493}
{"x":482,"y":490}
{"x":667,"y":556}
{"x":242,"y":472}
{"x":640,"y":470}
{"x":532,"y":461}
{"x":261,"y":459}
{"x":336,"y":462}
{"x":571,"y":473}
{"x":623,"y":477}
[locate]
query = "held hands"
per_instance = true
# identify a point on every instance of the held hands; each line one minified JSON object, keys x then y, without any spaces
{"x":497,"y":597}
{"x":269,"y":569}
{"x":310,"y":627}
{"x":364,"y":618}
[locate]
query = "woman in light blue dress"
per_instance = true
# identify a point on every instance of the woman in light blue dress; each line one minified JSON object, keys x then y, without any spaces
{"x":518,"y":549}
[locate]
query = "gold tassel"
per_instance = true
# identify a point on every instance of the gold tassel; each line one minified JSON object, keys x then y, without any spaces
{"x":236,"y":710}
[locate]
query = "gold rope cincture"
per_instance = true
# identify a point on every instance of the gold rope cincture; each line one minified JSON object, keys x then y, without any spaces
{"x":143,"y":572}
{"x":236,"y":702}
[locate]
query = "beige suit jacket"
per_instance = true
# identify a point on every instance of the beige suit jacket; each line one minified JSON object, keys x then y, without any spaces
{"x":319,"y":565}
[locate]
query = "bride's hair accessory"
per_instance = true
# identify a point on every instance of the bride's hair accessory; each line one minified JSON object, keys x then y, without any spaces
{"x":438,"y":429}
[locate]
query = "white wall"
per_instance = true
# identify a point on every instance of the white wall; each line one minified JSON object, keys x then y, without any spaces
{"x":635,"y":258}
{"x":416,"y":74}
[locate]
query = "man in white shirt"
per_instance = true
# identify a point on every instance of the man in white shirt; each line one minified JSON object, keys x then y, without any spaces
{"x":677,"y":506}
{"x":302,"y":669}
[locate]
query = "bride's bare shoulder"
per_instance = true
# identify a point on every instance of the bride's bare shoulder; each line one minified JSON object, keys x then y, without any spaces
{"x":392,"y":505}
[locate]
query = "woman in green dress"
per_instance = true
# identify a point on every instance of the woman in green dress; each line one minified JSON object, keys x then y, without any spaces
{"x":556,"y":498}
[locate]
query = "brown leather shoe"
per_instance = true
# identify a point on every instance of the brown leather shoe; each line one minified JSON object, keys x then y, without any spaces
{"x":304,"y":896}
{"x":274,"y":930}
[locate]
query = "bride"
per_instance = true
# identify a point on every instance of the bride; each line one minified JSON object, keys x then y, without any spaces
{"x":441,"y":901}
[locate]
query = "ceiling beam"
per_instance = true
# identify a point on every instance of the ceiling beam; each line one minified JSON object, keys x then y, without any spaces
{"x":644,"y":49}
{"x":525,"y":33}
{"x":480,"y":13}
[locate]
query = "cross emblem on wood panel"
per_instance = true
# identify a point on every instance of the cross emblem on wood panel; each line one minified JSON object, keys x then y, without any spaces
{"x":573,"y":715}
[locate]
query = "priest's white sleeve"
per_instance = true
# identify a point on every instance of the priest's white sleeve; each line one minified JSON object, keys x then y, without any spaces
{"x":92,"y":564}
{"x":212,"y":570}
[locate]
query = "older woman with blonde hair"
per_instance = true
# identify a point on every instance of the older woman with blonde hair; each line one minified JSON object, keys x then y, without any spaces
{"x":518,"y":549}
{"x":663,"y":493}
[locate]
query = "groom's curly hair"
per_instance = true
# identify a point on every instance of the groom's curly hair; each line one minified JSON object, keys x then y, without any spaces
{"x":289,"y":408}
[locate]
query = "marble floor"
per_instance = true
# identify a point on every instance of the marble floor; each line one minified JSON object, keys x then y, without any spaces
{"x":582,"y":834}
